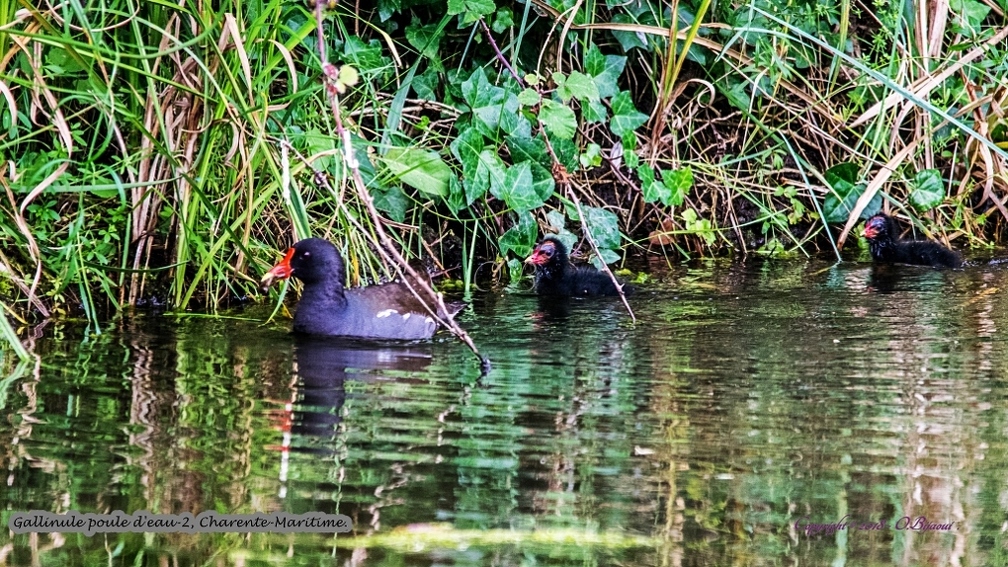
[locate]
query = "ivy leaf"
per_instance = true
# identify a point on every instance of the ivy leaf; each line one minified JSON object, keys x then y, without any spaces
{"x":566,"y":153}
{"x":529,"y":97}
{"x":594,"y":112}
{"x":424,"y":39}
{"x":604,"y":227}
{"x":653,"y":189}
{"x":605,"y":70}
{"x":533,"y":151}
{"x":679,"y":182}
{"x":929,"y":191}
{"x":391,"y":201}
{"x":556,"y":220}
{"x":625,"y":118}
{"x":423,"y":170}
{"x":467,"y":148}
{"x":471,"y":10}
{"x":576,"y":85}
{"x":605,"y":255}
{"x":366,"y":57}
{"x":628,"y":39}
{"x":521,"y":237}
{"x":629,"y":143}
{"x":516,"y":190}
{"x":558,"y":119}
{"x":838,"y":204}
{"x":425,"y":84}
{"x":591,"y":157}
{"x":503,"y":19}
{"x":456,"y":198}
{"x":489,"y":170}
{"x":491,"y":106}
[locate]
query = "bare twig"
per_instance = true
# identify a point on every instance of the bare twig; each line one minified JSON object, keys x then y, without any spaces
{"x":386,"y":246}
{"x":499,"y":54}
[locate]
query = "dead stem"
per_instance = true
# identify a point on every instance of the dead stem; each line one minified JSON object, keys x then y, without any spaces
{"x":386,"y":247}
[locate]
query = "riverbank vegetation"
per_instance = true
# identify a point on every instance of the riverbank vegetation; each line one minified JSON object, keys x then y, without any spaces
{"x":162,"y":153}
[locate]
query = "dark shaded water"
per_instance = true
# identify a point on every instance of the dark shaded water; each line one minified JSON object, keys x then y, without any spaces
{"x":748,"y":401}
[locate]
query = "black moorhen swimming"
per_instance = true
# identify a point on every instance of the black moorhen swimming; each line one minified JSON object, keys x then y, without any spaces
{"x":387,"y":311}
{"x":882,"y":233}
{"x":555,"y":276}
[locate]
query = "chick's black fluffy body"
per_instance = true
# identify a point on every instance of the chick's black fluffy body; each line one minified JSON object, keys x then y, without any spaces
{"x":885,"y":245}
{"x":555,"y":276}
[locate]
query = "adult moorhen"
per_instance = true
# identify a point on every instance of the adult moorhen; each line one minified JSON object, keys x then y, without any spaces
{"x":387,"y":311}
{"x":555,"y":276}
{"x":885,"y":245}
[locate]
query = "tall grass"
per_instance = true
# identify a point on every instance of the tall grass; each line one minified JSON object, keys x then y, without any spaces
{"x":163,"y":152}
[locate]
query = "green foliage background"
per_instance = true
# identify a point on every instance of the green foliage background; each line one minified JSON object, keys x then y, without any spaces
{"x":163,"y":152}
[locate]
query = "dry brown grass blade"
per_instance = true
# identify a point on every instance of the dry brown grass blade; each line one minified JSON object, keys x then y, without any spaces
{"x":923,"y":86}
{"x":43,"y":101}
{"x":819,"y":106}
{"x":231,"y":35}
{"x":874,"y":185}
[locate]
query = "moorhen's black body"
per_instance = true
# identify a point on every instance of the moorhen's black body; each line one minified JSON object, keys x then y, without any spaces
{"x":555,"y":276}
{"x":387,"y":311}
{"x":885,"y":245}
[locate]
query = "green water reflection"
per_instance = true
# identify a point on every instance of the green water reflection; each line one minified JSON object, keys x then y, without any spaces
{"x":748,"y":401}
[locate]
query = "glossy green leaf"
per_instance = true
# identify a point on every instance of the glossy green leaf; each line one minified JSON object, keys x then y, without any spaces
{"x":470,"y":10}
{"x":392,"y":202}
{"x":425,"y":39}
{"x":604,"y":70}
{"x":679,"y":182}
{"x":490,"y":170}
{"x":594,"y":112}
{"x":516,"y":189}
{"x":493,"y":108}
{"x":533,"y":151}
{"x":591,"y":157}
{"x":423,"y":170}
{"x":467,"y":148}
{"x":846,"y":190}
{"x":529,"y":97}
{"x":576,"y":85}
{"x":652,"y":189}
{"x":625,"y":117}
{"x":521,"y":237}
{"x":928,"y":190}
{"x":558,"y":119}
{"x":604,"y":227}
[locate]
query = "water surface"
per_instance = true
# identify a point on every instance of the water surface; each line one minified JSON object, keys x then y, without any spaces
{"x":749,"y":401}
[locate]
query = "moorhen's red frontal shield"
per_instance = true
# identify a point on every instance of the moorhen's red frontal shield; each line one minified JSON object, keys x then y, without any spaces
{"x":281,"y":271}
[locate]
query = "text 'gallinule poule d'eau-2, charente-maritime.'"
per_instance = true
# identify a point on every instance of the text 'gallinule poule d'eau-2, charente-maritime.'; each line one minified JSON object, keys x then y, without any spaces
{"x":885,"y":245}
{"x":555,"y":276}
{"x":326,"y":307}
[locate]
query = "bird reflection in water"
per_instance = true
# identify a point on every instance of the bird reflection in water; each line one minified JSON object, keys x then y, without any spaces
{"x":311,"y":420}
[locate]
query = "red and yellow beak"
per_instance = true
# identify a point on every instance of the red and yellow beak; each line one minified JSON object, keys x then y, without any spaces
{"x":281,"y":271}
{"x":537,"y":258}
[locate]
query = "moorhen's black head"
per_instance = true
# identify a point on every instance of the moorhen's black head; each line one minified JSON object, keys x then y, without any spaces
{"x":549,"y":256}
{"x":880,"y":228}
{"x":311,"y":260}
